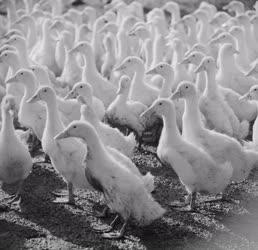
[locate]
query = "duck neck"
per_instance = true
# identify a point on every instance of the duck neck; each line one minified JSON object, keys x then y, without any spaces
{"x":170,"y":132}
{"x":90,"y":65}
{"x":211,"y":85}
{"x":7,"y":123}
{"x":30,"y":88}
{"x":191,"y":116}
{"x":148,"y":53}
{"x":166,"y":89}
{"x":224,"y":61}
{"x":53,"y":121}
{"x":11,"y":13}
{"x":192,"y":34}
{"x":32,"y":36}
{"x":200,"y":81}
{"x":137,"y":81}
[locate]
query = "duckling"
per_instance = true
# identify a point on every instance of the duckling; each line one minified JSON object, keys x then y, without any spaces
{"x":85,"y":90}
{"x":66,"y":156}
{"x":15,"y":160}
{"x":196,"y":170}
{"x":124,"y":112}
{"x":124,"y":191}
{"x":221,"y":147}
{"x":217,"y":112}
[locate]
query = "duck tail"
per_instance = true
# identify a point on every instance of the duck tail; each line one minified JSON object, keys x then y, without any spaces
{"x":148,"y":181}
{"x":244,"y":129}
{"x":227,"y":172}
{"x":252,"y":159}
{"x":150,"y":211}
{"x":131,"y":143}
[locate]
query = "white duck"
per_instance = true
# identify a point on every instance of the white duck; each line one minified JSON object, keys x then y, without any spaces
{"x":66,"y":156}
{"x":30,"y":115}
{"x":221,"y":147}
{"x":231,"y":76}
{"x":134,"y":67}
{"x":102,"y":88}
{"x":110,"y":136}
{"x":15,"y":160}
{"x":125,"y":112}
{"x":196,"y":170}
{"x":218,"y":114}
{"x":124,"y":191}
{"x":85,"y":90}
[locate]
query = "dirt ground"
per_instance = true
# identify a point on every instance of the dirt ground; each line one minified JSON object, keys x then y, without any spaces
{"x":42,"y":224}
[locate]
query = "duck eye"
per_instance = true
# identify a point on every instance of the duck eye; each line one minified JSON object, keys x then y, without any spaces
{"x":160,"y":103}
{"x":74,"y":126}
{"x":161,"y":66}
{"x":22,"y":73}
{"x":81,"y":87}
{"x":5,"y":54}
{"x":45,"y":90}
{"x":186,"y":87}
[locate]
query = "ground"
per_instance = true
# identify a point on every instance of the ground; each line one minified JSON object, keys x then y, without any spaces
{"x":42,"y":224}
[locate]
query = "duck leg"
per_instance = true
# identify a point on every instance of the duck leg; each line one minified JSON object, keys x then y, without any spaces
{"x":115,"y":235}
{"x":68,"y":200}
{"x":106,"y":228}
{"x":191,"y":207}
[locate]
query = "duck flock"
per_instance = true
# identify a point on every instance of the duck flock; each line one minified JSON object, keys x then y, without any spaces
{"x":87,"y":87}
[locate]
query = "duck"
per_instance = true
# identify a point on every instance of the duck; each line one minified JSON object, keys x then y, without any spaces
{"x":166,"y":71}
{"x":125,"y":112}
{"x":85,"y":90}
{"x":252,"y":95}
{"x":66,"y":156}
{"x":218,"y":114}
{"x":195,"y":168}
{"x":110,"y":136}
{"x":124,"y":191}
{"x":235,"y":7}
{"x":29,"y":115}
{"x":232,"y":77}
{"x":134,"y":67}
{"x":15,"y":160}
{"x":221,"y":147}
{"x":102,"y":88}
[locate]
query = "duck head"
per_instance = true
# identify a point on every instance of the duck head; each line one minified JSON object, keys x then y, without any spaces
{"x":228,"y":50}
{"x":254,"y":20}
{"x":224,"y":37}
{"x":193,"y":58}
{"x":22,"y":75}
{"x":46,"y":94}
{"x":82,"y":47}
{"x":236,"y":31}
{"x":9,"y":56}
{"x":17,"y":41}
{"x":159,"y":108}
{"x":196,"y":47}
{"x":220,"y":18}
{"x":109,"y":27}
{"x":243,"y":19}
{"x":184,"y":90}
{"x":252,"y":94}
{"x":207,"y":64}
{"x":162,"y":69}
{"x":236,"y":7}
{"x":8,"y":103}
{"x":130,"y":65}
{"x":75,"y":129}
{"x":40,"y":72}
{"x":80,"y":89}
{"x":124,"y":84}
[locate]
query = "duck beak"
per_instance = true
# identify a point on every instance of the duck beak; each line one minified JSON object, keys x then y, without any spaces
{"x":119,"y":68}
{"x":62,"y":135}
{"x":70,"y":95}
{"x":151,"y":71}
{"x":184,"y":61}
{"x":11,"y":80}
{"x":199,"y":69}
{"x":73,"y":50}
{"x":147,"y":113}
{"x":251,"y":72}
{"x":245,"y":97}
{"x":176,"y":95}
{"x":119,"y":91}
{"x":34,"y":98}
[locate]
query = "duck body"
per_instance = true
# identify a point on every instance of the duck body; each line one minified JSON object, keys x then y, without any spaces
{"x":124,"y":192}
{"x":15,"y":162}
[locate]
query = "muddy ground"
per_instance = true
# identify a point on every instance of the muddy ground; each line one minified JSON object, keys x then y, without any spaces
{"x":42,"y":224}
